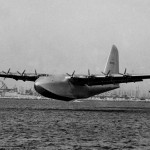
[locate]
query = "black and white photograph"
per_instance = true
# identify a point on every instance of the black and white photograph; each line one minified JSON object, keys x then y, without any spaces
{"x":74,"y":74}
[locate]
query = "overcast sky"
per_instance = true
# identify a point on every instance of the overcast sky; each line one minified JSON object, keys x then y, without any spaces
{"x":59,"y":36}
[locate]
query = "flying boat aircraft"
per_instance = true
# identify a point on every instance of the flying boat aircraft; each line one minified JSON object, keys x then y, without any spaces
{"x":69,"y":87}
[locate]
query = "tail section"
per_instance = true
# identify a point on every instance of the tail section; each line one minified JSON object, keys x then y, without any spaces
{"x":112,"y":65}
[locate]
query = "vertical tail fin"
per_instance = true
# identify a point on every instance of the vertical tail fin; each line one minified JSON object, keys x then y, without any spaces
{"x":112,"y":65}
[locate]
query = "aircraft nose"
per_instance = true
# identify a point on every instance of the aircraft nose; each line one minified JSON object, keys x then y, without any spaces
{"x":37,"y":83}
{"x":37,"y":86}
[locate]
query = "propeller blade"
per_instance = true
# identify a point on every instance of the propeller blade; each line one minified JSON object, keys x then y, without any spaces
{"x":35,"y":72}
{"x":19,"y":72}
{"x":4,"y":72}
{"x":125,"y":71}
{"x":121,"y":73}
{"x":108,"y":72}
{"x":23,"y":72}
{"x":89,"y":72}
{"x":8,"y":71}
{"x":103,"y":73}
{"x":68,"y":74}
{"x":73,"y":73}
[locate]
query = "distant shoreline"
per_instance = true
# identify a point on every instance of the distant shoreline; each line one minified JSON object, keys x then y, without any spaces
{"x":77,"y":105}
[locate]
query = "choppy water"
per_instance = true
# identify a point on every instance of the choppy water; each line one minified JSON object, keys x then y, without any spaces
{"x":24,"y":128}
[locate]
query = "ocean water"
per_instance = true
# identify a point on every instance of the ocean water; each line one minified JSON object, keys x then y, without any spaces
{"x":29,"y":127}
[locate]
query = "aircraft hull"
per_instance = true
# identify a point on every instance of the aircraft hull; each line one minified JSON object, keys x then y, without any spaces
{"x":59,"y":87}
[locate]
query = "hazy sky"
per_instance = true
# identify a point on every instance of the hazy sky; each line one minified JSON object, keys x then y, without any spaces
{"x":59,"y":36}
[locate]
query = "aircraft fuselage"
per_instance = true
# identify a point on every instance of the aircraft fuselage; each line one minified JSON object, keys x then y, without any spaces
{"x":59,"y":87}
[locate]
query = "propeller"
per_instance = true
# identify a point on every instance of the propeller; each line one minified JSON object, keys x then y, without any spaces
{"x":71,"y":75}
{"x":106,"y":74}
{"x":90,"y":75}
{"x":23,"y":73}
{"x":7,"y":71}
{"x":125,"y":73}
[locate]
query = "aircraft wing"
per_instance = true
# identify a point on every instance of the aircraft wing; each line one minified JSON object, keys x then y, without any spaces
{"x":104,"y":80}
{"x":21,"y":76}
